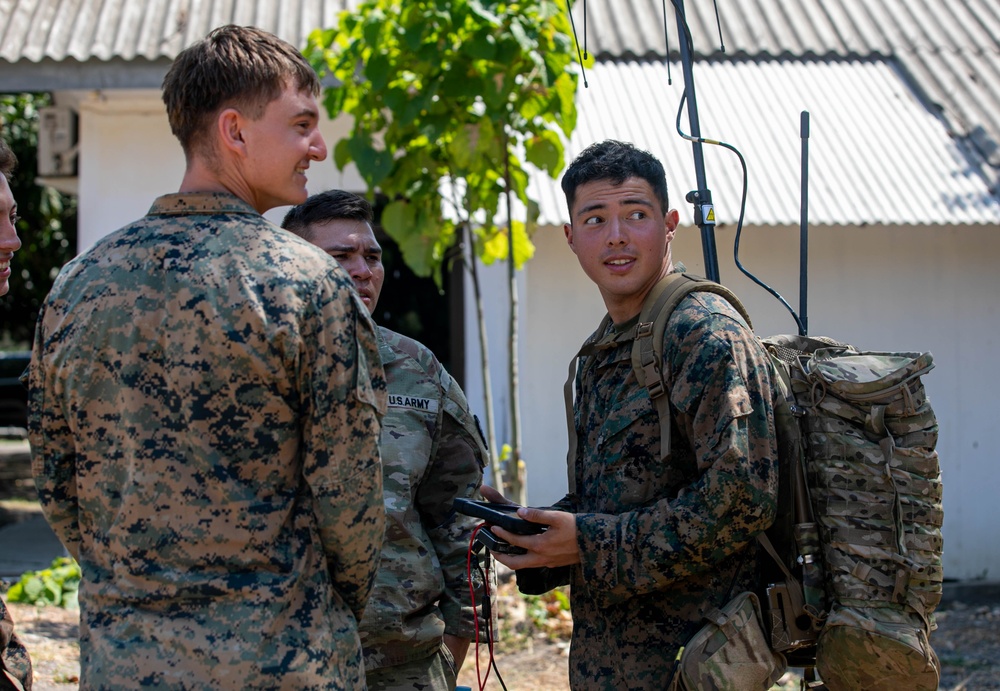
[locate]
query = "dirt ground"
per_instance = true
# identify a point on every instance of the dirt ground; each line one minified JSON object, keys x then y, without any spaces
{"x":967,"y":642}
{"x":532,"y":650}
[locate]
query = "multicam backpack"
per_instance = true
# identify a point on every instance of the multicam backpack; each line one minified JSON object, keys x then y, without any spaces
{"x":856,"y":547}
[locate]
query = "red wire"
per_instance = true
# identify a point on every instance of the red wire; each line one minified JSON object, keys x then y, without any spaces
{"x":472,"y":592}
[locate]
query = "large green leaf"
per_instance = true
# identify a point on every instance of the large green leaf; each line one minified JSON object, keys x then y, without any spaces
{"x":545,"y":151}
{"x":496,"y":246}
{"x":449,"y":90}
{"x":373,"y":164}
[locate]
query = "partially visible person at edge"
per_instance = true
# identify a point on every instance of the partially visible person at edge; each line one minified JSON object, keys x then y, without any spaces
{"x":15,"y":664}
{"x":421,"y":616}
{"x":649,"y":545}
{"x":9,"y":242}
{"x":205,"y":400}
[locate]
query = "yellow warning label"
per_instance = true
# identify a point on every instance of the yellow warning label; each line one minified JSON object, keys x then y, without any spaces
{"x":708,"y":213}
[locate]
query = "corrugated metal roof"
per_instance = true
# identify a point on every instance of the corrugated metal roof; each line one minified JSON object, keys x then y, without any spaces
{"x":947,"y":52}
{"x":949,"y":49}
{"x":619,"y":28}
{"x":876,"y":154}
{"x":81,"y":30}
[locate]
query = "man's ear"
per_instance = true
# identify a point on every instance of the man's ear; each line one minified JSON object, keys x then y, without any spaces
{"x":230,"y":128}
{"x":568,"y":231}
{"x":670,"y":222}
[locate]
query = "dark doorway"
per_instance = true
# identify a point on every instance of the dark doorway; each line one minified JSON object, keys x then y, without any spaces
{"x":414,"y":307}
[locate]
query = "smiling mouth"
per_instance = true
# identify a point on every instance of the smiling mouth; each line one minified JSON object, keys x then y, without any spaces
{"x":4,"y":265}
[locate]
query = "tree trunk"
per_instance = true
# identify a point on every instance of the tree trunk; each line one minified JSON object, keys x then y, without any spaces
{"x":516,"y":470}
{"x":491,"y":435}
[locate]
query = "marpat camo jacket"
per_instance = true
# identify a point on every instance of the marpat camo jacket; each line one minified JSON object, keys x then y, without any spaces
{"x":204,"y":403}
{"x":432,"y":452}
{"x":15,"y":663}
{"x":662,"y":542}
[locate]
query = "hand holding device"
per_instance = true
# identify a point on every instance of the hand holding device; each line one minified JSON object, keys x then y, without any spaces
{"x":503,"y":515}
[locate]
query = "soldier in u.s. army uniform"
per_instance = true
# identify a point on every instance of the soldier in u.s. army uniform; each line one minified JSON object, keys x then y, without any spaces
{"x":421,"y":617}
{"x":650,"y":544}
{"x":205,"y":396}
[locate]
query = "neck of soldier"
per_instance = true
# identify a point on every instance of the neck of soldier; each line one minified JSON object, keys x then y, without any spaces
{"x":622,"y":308}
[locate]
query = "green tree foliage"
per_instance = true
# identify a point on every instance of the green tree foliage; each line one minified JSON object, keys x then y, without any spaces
{"x":449,"y":100}
{"x":47,"y":227}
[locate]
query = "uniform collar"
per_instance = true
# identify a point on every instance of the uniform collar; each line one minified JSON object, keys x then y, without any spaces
{"x":200,"y":203}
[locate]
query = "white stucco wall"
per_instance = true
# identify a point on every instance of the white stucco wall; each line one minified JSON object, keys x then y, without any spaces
{"x":931,"y":288}
{"x":879,"y":288}
{"x":128,"y":157}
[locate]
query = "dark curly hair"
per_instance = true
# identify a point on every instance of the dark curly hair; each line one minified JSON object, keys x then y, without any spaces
{"x":8,"y":161}
{"x":616,"y":162}
{"x":326,"y":206}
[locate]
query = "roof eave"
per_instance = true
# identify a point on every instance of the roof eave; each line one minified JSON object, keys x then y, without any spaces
{"x":52,"y":75}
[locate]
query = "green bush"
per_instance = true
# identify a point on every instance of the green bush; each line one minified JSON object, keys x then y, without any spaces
{"x":56,"y":585}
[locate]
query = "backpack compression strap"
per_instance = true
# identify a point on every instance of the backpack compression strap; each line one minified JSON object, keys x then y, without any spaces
{"x":647,"y":348}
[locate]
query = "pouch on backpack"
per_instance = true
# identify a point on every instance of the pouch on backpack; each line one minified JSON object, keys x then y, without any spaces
{"x":730,"y":652}
{"x":893,"y":646}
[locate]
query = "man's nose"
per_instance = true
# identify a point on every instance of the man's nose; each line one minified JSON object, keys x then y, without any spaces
{"x":317,"y":150}
{"x":358,"y":269}
{"x":616,"y":233}
{"x":9,"y":242}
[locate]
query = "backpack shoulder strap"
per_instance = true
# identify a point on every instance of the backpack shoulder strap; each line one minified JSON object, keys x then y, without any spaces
{"x":647,"y":348}
{"x":568,"y":402}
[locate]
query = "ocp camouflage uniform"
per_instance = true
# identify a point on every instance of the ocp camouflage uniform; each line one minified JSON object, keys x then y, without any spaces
{"x":15,"y":664}
{"x":432,"y":452}
{"x":661,"y":542}
{"x":205,"y":393}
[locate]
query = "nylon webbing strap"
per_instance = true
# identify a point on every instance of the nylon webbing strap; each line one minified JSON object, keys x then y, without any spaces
{"x":647,"y":351}
{"x":570,"y":426}
{"x":765,"y":542}
{"x":608,"y":339}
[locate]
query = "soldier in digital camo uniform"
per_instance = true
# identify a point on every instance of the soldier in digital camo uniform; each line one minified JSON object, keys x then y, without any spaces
{"x":15,"y":664}
{"x":420,"y":619}
{"x":205,"y":394}
{"x":650,"y":545}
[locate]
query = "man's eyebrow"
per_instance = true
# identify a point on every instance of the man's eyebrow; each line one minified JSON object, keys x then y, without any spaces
{"x":340,"y":249}
{"x":641,"y":201}
{"x":638,"y":201}
{"x":591,"y":207}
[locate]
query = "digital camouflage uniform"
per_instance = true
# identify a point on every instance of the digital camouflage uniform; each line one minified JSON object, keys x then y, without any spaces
{"x":661,"y":541}
{"x":432,"y":452}
{"x":15,"y":665}
{"x":204,"y":395}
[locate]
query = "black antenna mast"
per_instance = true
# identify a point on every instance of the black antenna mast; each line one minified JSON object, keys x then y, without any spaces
{"x":701,"y":198}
